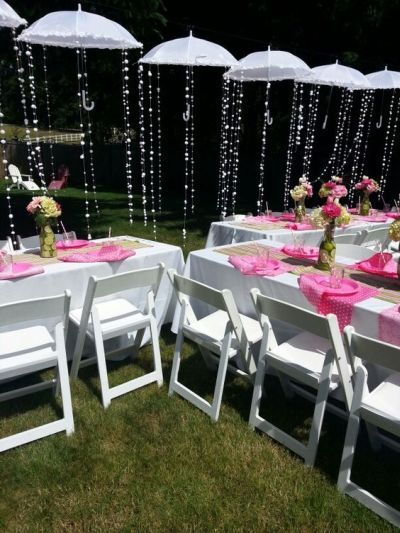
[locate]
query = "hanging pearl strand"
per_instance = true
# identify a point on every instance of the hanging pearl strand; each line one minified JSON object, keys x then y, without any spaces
{"x":36,"y":151}
{"x":47,"y":98}
{"x":186,"y":152}
{"x":223,"y":141}
{"x":89,"y":131}
{"x":357,"y":145}
{"x":229,"y":146}
{"x":159,"y":139}
{"x":238,"y":122}
{"x":300,"y":117}
{"x":332,"y":163}
{"x":370,"y":112}
{"x":390,"y":137}
{"x":260,"y":201}
{"x":291,"y":145}
{"x":347,"y":97}
{"x":151,"y":146}
{"x":21,"y":81}
{"x":3,"y":143}
{"x":310,"y":131}
{"x":127,"y":134}
{"x":142,"y":141}
{"x":192,"y":191}
{"x":82,"y":142}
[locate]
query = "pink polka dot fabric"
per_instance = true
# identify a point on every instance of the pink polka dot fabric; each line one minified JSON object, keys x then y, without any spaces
{"x":255,"y":266}
{"x":389,"y":325}
{"x":339,"y":305}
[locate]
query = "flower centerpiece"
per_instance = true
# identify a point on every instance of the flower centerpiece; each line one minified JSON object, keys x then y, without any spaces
{"x":328,"y":217}
{"x":333,"y":188}
{"x":366,"y":186}
{"x":299,"y":193}
{"x":45,"y":211}
{"x":394,"y":235}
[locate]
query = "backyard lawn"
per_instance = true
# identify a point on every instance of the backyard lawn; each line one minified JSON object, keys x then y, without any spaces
{"x":151,"y":462}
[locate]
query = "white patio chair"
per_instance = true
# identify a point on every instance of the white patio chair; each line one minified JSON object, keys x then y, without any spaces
{"x":379,"y":408}
{"x":375,"y":237}
{"x":315,"y":358}
{"x":354,"y":251}
{"x":7,"y":245}
{"x":349,"y":238}
{"x":27,"y":346}
{"x":18,"y":180}
{"x":29,"y":243}
{"x":223,"y":336}
{"x":106,"y":314}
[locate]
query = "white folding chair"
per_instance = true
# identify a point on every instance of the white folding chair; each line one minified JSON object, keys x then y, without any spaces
{"x":374,"y":238}
{"x":349,"y":238}
{"x":28,"y":243}
{"x":315,"y":358}
{"x":379,"y":408}
{"x":223,"y":336}
{"x":18,"y":180}
{"x":7,"y":245}
{"x":106,"y":314}
{"x":353,"y":251}
{"x":27,"y":346}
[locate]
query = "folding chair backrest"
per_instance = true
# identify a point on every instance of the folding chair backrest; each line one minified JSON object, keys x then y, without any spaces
{"x":353,"y":251}
{"x":55,"y":308}
{"x":371,"y":350}
{"x":375,"y":236}
{"x":194,"y":289}
{"x":33,"y":241}
{"x":348,"y":238}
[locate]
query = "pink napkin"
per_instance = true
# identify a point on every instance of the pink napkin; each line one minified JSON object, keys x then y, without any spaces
{"x":287,"y":216}
{"x":251,"y":265}
{"x":353,"y":210}
{"x":379,"y":264}
{"x":107,"y":254}
{"x":77,"y":243}
{"x":20,"y":270}
{"x":261,"y":218}
{"x":325,"y":302}
{"x":389,"y":325}
{"x":393,"y":215}
{"x":307,"y":252}
{"x":299,"y":226}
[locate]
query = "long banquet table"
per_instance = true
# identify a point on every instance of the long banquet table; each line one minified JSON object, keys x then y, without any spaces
{"x":221,"y":233}
{"x":59,"y":275}
{"x":211,"y":266}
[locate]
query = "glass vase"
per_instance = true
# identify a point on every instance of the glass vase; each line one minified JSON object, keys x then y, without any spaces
{"x":47,"y":242}
{"x":327,"y":248}
{"x":365,"y":205}
{"x":300,"y":211}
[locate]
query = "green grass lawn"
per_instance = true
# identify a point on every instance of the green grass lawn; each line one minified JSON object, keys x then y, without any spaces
{"x":155,"y":463}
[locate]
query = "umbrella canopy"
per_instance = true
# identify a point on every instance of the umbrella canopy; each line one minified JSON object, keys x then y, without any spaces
{"x":270,"y":65}
{"x":189,"y":51}
{"x":338,"y":76}
{"x":8,"y":17}
{"x":384,"y":79}
{"x":78,"y":29}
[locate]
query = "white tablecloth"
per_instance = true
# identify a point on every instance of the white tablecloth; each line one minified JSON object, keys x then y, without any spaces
{"x":212,"y":268}
{"x":74,"y":276}
{"x":221,"y":233}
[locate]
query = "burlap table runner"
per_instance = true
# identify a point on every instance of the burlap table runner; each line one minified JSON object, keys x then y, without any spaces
{"x":35,"y":259}
{"x":389,"y":288}
{"x":263,"y":226}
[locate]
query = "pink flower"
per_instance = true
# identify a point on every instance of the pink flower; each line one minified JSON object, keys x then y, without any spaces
{"x":34,"y":204}
{"x":331,"y":210}
{"x":339,"y":191}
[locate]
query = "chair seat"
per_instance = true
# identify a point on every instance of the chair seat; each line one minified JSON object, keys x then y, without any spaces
{"x":115,"y":316}
{"x":384,"y":401}
{"x":305,"y":353}
{"x":212,"y":328}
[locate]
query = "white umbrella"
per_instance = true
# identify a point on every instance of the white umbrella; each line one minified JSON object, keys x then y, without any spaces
{"x":189,"y":51}
{"x":8,"y":17}
{"x":384,"y":79}
{"x":78,"y":29}
{"x":270,"y":65}
{"x":336,"y":75}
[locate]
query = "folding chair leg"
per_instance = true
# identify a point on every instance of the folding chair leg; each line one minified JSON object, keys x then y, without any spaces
{"x":65,"y":394}
{"x":138,"y":342}
{"x":221,"y":375}
{"x":102,"y":366}
{"x":257,"y":392}
{"x":346,"y":462}
{"x":156,"y":351}
{"x":176,"y":363}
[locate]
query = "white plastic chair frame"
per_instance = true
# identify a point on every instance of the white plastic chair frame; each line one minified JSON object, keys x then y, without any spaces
{"x":214,"y":350}
{"x":37,"y":357}
{"x":323,"y":326}
{"x":374,"y":237}
{"x":102,"y":287}
{"x":18,"y":181}
{"x":350,"y":238}
{"x":27,"y":243}
{"x":354,"y":251}
{"x":388,"y":356}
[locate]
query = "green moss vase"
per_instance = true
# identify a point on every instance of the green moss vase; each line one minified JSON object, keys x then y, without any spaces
{"x":327,"y":249}
{"x":365,"y":205}
{"x":299,"y":211}
{"x":47,"y":242}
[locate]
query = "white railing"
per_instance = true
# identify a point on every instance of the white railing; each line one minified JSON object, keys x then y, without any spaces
{"x":62,"y":138}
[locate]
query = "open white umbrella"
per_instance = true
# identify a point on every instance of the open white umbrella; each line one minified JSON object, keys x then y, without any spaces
{"x":189,"y":51}
{"x":384,"y":79}
{"x":78,"y":29}
{"x":336,"y":75}
{"x":270,"y":65}
{"x":8,"y":17}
